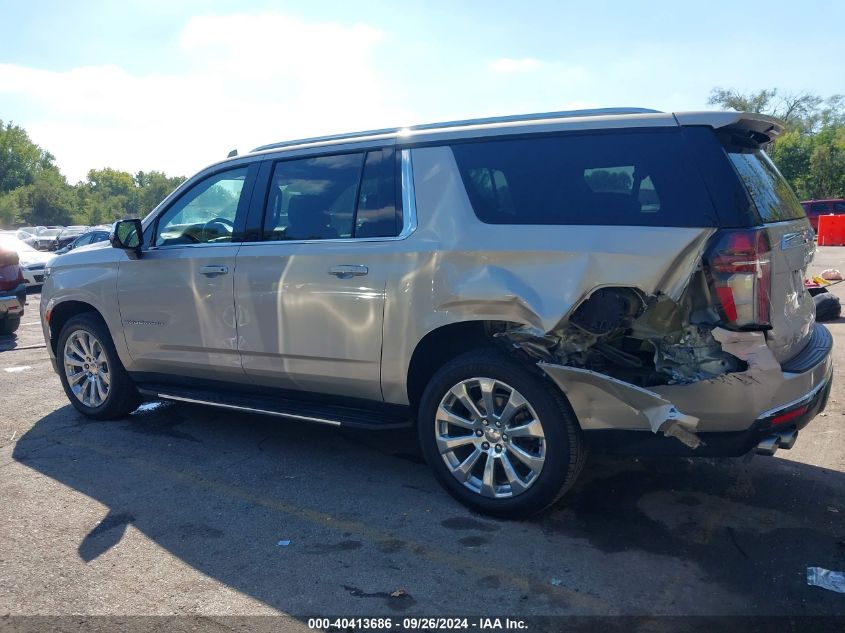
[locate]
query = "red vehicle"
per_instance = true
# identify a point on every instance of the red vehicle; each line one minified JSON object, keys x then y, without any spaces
{"x":12,"y":292}
{"x":815,"y":208}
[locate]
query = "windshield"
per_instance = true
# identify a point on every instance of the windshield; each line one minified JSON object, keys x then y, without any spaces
{"x":49,"y":233}
{"x":14,"y":244}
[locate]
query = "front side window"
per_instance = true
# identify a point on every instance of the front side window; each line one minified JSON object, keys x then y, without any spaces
{"x":637,"y":178}
{"x":205,"y":214}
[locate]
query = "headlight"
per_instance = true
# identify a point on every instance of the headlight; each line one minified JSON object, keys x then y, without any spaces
{"x":47,"y":271}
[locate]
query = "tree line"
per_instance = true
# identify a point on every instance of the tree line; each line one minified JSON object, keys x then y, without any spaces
{"x":33,"y":191}
{"x":810,"y":154}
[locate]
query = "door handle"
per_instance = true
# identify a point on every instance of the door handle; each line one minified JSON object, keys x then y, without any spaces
{"x":214,"y":270}
{"x":347,"y":271}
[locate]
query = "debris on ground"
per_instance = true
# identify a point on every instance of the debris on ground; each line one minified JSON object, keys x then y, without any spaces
{"x":828,"y":306}
{"x":831,"y":274}
{"x":398,"y":593}
{"x":283,"y":543}
{"x":557,"y":582}
{"x":826,"y":579}
{"x":15,"y":370}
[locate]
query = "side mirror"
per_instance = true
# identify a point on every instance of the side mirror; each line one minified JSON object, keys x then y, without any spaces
{"x":127,"y":235}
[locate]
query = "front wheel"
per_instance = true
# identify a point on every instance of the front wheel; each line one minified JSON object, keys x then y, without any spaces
{"x":91,"y":372}
{"x":498,"y":437}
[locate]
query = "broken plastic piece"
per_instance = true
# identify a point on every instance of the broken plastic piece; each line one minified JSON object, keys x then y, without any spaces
{"x":826,"y":579}
{"x":283,"y":543}
{"x":748,"y":346}
{"x":602,"y":402}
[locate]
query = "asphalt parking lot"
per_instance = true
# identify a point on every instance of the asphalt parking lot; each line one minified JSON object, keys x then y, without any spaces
{"x":186,"y":510}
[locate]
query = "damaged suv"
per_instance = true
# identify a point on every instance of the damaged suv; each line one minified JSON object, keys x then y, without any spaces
{"x":519,"y":288}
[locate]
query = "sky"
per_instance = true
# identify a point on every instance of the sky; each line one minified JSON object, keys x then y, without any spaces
{"x":174,"y":85}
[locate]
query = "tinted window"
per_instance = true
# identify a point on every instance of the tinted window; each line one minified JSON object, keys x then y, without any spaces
{"x":818,"y":209}
{"x":205,"y":213}
{"x":770,"y":192}
{"x":377,"y":214}
{"x":621,"y":178}
{"x":839,"y":207}
{"x":100,"y":236}
{"x":313,"y":198}
{"x":83,"y":240}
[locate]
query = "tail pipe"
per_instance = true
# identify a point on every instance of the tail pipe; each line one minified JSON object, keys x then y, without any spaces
{"x":770,"y":444}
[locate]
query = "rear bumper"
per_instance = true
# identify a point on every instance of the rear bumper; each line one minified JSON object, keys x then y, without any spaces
{"x":12,"y":302}
{"x":796,"y":416}
{"x":737,"y":411}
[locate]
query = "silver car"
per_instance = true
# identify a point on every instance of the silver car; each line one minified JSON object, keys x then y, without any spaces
{"x":521,"y":289}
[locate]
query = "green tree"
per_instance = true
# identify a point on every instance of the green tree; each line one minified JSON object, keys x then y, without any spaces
{"x":21,"y":160}
{"x":154,"y":186}
{"x":48,"y":200}
{"x":811,"y":153}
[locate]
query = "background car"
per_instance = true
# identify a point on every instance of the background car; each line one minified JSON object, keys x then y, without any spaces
{"x":815,"y":208}
{"x":32,"y":262}
{"x":12,"y":291}
{"x":97,"y":234}
{"x":45,"y":240}
{"x":69,"y":234}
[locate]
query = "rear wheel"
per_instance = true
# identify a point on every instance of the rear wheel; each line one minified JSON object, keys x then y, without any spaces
{"x":498,"y":437}
{"x":91,"y":372}
{"x":10,"y":325}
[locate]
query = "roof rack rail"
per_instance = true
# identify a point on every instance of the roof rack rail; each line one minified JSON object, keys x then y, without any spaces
{"x":562,"y":114}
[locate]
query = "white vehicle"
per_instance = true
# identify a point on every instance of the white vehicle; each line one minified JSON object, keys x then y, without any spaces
{"x":32,"y":261}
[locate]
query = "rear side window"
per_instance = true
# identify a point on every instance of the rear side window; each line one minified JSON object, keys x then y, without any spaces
{"x":772,"y":195}
{"x":839,"y":207}
{"x":333,"y":197}
{"x":818,"y":209}
{"x":633,"y":178}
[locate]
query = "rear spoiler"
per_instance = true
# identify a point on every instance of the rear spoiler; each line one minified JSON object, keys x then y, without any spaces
{"x":759,"y":128}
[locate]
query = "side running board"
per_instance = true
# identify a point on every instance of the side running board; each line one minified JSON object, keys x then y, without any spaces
{"x":378,"y":416}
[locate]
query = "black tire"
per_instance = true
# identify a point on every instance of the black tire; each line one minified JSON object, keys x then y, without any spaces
{"x":827,"y":306}
{"x":565,"y":452}
{"x":10,"y":325}
{"x":123,"y":397}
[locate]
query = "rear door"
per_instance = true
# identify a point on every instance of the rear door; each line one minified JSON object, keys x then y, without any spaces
{"x":792,"y":248}
{"x":310,"y":293}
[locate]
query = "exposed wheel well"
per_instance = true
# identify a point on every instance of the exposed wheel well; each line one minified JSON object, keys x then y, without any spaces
{"x":440,"y":346}
{"x":62,"y":313}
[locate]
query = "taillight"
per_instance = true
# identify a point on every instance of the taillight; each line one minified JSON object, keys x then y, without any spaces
{"x":738,"y":266}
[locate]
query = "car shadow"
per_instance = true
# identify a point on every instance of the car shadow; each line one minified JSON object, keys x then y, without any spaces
{"x":311,"y":519}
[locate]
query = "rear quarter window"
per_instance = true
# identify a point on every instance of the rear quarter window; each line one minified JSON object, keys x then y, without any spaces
{"x":771,"y":193}
{"x":629,"y":178}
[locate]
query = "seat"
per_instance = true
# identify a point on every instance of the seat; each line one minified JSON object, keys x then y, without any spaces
{"x":308,"y":219}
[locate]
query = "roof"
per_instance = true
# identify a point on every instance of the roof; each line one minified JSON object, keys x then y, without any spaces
{"x":759,"y":124}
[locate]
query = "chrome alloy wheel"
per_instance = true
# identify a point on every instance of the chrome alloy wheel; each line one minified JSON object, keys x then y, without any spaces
{"x":490,"y":437}
{"x":86,"y":368}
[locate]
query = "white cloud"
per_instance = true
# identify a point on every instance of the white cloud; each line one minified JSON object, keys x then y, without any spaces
{"x":253,"y":79}
{"x":510,"y":65}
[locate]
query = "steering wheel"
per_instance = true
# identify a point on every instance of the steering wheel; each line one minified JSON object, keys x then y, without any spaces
{"x":216,"y":224}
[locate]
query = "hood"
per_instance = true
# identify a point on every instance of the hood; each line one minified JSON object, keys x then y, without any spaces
{"x":34,"y":257}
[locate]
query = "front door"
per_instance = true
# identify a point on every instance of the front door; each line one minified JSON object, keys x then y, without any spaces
{"x":177,"y":299}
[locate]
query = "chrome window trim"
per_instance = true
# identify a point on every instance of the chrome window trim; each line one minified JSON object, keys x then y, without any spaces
{"x":409,"y":214}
